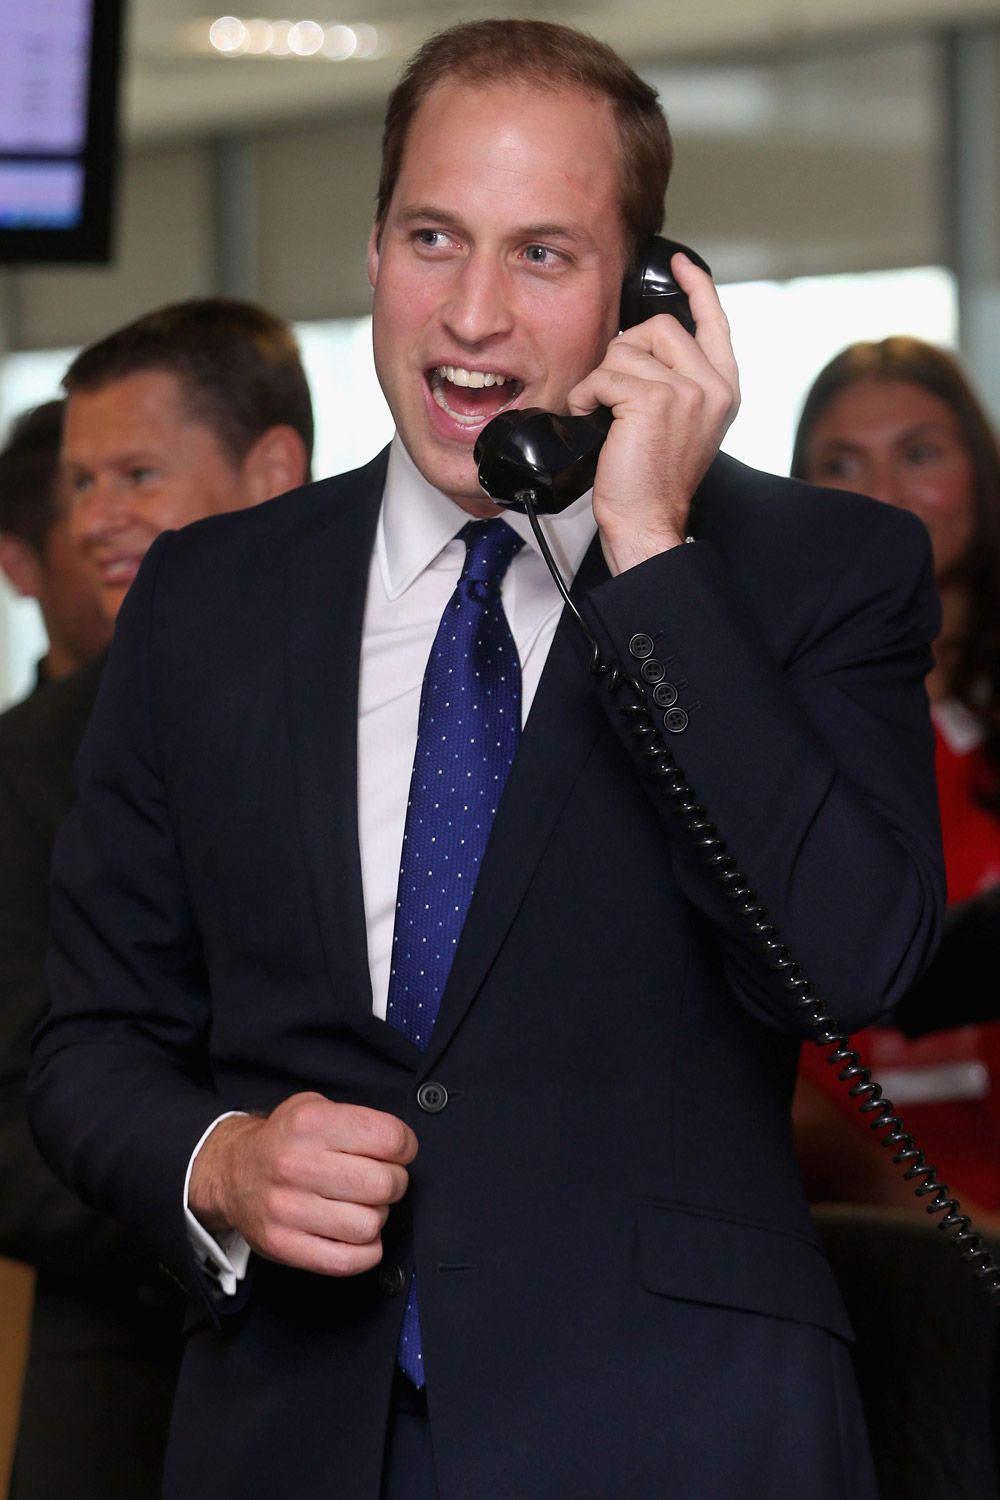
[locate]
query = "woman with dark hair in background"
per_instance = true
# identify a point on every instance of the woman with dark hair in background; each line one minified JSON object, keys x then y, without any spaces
{"x":898,"y":421}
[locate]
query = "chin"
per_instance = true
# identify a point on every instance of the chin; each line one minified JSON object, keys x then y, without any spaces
{"x":455,"y":475}
{"x":472,"y":498}
{"x":112,"y":602}
{"x":479,"y":505}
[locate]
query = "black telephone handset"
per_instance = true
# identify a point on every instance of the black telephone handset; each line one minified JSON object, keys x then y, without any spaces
{"x":555,"y":457}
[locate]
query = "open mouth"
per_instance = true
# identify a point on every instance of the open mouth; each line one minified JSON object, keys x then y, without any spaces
{"x":472,"y":397}
{"x":118,"y":571}
{"x":120,"y":567}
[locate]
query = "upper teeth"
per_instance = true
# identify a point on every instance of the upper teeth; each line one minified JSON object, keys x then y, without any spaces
{"x":475,"y":378}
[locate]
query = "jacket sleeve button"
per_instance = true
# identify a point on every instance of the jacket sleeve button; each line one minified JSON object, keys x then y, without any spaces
{"x":675,"y":721}
{"x":641,"y":646}
{"x":664,"y":695}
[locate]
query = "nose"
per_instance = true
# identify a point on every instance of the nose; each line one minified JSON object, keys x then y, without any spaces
{"x":98,"y":510}
{"x":478,"y":306}
{"x":885,"y":483}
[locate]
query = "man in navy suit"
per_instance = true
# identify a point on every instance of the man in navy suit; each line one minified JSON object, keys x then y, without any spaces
{"x":193,"y":408}
{"x":580,"y":1183}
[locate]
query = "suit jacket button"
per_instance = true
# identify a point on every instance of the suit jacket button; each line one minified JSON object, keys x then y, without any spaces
{"x":675,"y":721}
{"x":641,"y":646}
{"x":664,"y":694}
{"x":652,"y":670}
{"x":391,"y":1278}
{"x":432,"y":1097}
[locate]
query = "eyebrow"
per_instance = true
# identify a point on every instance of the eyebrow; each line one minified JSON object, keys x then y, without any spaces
{"x":429,"y":212}
{"x":919,"y":429}
{"x":129,"y":458}
{"x":929,"y":426}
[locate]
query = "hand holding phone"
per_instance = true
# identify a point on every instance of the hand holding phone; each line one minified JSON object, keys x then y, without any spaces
{"x":556,"y":456}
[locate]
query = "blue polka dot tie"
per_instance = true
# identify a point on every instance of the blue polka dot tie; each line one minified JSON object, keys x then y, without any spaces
{"x":469,"y":724}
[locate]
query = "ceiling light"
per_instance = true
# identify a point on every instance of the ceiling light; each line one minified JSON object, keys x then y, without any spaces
{"x":305,"y":38}
{"x":228,"y":35}
{"x":260,"y":35}
{"x":280,"y":45}
{"x":339,"y":43}
{"x":367,"y":40}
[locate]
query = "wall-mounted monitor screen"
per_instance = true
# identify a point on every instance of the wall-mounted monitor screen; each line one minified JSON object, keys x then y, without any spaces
{"x":59,"y":69}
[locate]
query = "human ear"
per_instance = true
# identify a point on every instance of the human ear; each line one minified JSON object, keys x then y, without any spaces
{"x":277,"y":462}
{"x":22,"y":565}
{"x":372,"y":258}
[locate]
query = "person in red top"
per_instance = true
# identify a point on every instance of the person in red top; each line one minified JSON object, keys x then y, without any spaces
{"x":897,"y":420}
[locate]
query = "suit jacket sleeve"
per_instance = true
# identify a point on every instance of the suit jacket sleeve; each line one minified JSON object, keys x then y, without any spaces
{"x":41,"y":1221}
{"x":125,"y":964}
{"x":815,"y":765}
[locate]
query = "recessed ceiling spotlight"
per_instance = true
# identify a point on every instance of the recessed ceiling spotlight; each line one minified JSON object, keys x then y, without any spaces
{"x":339,"y":43}
{"x":368,"y":39}
{"x":260,"y":34}
{"x":228,"y":35}
{"x":306,"y":38}
{"x":280,"y":44}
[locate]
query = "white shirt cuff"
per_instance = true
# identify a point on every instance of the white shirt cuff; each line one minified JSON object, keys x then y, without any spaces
{"x":224,"y":1258}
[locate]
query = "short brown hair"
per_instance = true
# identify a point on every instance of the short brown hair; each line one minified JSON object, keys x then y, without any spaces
{"x":238,"y":366}
{"x":550,"y":57}
{"x":975,"y":676}
{"x":29,"y":471}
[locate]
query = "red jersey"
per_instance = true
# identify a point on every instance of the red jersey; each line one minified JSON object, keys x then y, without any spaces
{"x":947,"y":1085}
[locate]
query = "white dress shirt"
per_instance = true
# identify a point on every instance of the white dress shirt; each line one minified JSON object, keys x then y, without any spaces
{"x":414,"y":568}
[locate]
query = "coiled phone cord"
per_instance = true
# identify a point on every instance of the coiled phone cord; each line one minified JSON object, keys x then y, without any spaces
{"x":663,"y":769}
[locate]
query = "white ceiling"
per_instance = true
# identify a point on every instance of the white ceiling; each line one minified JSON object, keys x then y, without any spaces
{"x":175,"y":86}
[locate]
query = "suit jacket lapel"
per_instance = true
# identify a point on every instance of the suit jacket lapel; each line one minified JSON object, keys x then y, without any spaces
{"x":564,"y":721}
{"x":326,"y":585}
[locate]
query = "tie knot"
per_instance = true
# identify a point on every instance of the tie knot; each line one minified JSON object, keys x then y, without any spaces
{"x":490,"y":546}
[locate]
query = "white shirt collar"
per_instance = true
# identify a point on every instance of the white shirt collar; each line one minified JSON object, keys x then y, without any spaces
{"x":416,"y":522}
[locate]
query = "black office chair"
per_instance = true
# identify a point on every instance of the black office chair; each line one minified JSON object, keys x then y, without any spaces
{"x":928,"y":1353}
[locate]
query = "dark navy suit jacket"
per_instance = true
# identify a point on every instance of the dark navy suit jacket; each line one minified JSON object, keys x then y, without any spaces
{"x":105,"y":1322}
{"x":621,"y":1290}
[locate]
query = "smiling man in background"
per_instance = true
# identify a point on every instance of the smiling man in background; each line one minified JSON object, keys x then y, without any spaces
{"x":389,"y":1005}
{"x":196,"y":408}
